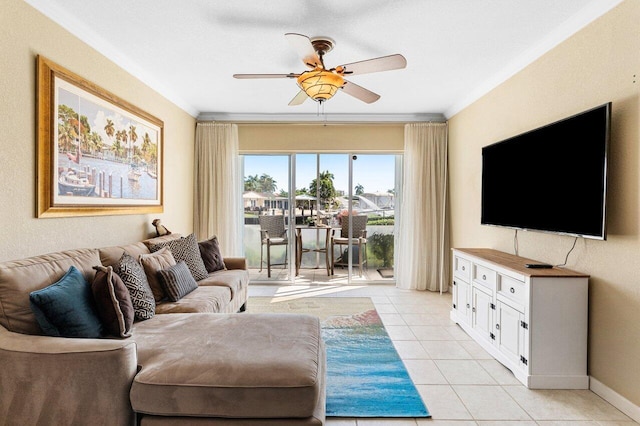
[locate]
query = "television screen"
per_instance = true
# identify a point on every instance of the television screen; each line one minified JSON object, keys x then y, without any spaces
{"x":550,"y":179}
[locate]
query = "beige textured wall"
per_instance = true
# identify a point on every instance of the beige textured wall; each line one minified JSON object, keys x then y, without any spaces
{"x":24,"y":34}
{"x":600,"y":63}
{"x":320,"y":138}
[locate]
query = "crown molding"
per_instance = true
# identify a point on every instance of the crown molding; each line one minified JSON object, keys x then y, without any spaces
{"x":86,"y":35}
{"x":321,"y":119}
{"x":591,"y":12}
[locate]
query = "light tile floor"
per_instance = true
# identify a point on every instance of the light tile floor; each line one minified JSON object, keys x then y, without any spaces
{"x":459,"y":381}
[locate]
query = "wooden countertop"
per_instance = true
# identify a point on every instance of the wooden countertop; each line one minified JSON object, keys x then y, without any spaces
{"x":516,"y":263}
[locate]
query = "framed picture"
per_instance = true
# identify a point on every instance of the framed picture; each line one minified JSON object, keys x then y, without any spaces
{"x":97,"y":154}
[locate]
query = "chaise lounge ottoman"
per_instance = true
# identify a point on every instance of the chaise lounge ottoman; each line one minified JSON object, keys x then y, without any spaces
{"x":248,"y":369}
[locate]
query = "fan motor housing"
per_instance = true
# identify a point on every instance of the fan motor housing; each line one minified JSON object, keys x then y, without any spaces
{"x":322,"y":44}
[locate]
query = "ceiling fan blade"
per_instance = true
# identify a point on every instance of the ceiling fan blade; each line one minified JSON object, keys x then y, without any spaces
{"x":299,"y":98}
{"x":303,"y":47}
{"x":384,"y":63}
{"x":247,"y":76}
{"x":360,"y":92}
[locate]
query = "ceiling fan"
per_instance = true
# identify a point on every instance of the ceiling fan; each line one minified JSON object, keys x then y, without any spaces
{"x":321,"y":83}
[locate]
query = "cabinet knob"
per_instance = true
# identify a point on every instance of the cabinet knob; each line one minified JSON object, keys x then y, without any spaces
{"x":473,"y":309}
{"x":512,"y":290}
{"x":463,"y":268}
{"x":468,"y":306}
{"x":497,"y":326}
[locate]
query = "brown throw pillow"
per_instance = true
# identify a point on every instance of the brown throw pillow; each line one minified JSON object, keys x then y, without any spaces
{"x":186,"y":249}
{"x":211,"y":256}
{"x":113,"y":302}
{"x":178,"y":281}
{"x":152,"y":264}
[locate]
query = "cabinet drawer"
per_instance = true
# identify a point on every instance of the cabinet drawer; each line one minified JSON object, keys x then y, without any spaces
{"x":512,"y":289}
{"x":484,"y":276}
{"x":461,"y":268}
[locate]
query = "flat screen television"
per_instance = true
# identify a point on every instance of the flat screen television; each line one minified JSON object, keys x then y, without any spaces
{"x":551,"y":179}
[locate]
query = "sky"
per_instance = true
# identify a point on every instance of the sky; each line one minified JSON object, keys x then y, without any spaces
{"x":375,"y":172}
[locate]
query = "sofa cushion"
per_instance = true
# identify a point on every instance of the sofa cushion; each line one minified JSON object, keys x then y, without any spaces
{"x":133,"y":276}
{"x":162,"y":239}
{"x":239,"y":365}
{"x":213,"y":300}
{"x":110,"y":256}
{"x":153,"y":263}
{"x":66,"y":308}
{"x":211,"y":256}
{"x":177,"y":281}
{"x":113,"y":302}
{"x":18,"y":278}
{"x":186,"y":249}
{"x":234,"y":279}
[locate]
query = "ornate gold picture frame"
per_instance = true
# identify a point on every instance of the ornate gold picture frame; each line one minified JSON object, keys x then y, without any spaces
{"x":97,"y":154}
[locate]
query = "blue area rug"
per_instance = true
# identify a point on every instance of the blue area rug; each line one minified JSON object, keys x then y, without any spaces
{"x":365,"y":375}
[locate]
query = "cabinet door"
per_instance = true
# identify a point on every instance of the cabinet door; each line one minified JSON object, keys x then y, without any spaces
{"x":481,"y":313}
{"x":509,"y":333}
{"x":462,"y":300}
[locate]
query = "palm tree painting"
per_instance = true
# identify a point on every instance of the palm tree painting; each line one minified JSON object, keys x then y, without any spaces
{"x":104,"y":153}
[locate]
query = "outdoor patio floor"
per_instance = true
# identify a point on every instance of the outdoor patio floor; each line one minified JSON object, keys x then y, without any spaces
{"x":310,"y":276}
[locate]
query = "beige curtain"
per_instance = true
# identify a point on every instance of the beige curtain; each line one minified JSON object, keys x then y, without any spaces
{"x":422,"y":244}
{"x":216,"y":198}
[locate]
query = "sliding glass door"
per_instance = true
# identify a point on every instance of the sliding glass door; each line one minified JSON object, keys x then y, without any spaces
{"x":344,"y":199}
{"x":320,"y":182}
{"x":266,"y":213}
{"x":374,"y":193}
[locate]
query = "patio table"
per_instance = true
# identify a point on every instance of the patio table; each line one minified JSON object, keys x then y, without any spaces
{"x":300,"y":250}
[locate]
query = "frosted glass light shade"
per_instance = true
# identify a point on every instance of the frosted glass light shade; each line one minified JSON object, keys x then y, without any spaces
{"x":320,"y":84}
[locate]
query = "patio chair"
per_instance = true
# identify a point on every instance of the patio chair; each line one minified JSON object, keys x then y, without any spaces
{"x":272,"y":233}
{"x":358,"y":239}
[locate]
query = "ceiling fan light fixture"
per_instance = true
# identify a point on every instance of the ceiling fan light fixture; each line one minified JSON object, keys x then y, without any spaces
{"x":320,"y":84}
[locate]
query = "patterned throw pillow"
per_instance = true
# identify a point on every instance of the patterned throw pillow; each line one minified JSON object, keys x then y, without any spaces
{"x":211,"y":256}
{"x":152,"y":264}
{"x":113,"y":302}
{"x":178,"y":281}
{"x":133,"y":276}
{"x":186,"y":249}
{"x":66,"y":308}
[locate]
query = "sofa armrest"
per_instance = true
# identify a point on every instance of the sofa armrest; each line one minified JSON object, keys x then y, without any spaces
{"x":235,"y":262}
{"x":66,"y":381}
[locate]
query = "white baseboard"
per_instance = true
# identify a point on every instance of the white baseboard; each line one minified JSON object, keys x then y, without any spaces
{"x":615,"y":399}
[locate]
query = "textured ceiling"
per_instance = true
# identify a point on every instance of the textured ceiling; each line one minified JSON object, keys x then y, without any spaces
{"x":456,"y":50}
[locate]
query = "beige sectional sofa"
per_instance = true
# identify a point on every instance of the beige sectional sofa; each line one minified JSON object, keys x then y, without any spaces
{"x":197,"y":361}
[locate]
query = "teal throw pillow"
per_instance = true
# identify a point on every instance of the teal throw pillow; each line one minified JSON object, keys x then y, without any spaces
{"x":66,"y":308}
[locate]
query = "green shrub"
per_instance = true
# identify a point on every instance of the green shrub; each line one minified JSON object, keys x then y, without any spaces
{"x":379,"y":220}
{"x":381,"y":245}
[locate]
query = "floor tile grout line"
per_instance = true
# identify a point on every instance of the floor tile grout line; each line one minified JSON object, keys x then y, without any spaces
{"x":493,"y":420}
{"x":389,"y":291}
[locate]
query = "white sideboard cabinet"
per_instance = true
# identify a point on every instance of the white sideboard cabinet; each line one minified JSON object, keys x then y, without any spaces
{"x":534,"y":321}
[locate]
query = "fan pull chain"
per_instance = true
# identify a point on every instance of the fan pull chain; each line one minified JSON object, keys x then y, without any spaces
{"x":325,"y":115}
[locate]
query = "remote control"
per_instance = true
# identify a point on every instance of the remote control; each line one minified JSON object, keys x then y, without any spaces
{"x":538,"y":265}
